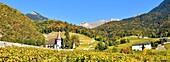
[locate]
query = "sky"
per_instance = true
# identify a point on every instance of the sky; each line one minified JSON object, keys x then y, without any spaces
{"x":78,"y":11}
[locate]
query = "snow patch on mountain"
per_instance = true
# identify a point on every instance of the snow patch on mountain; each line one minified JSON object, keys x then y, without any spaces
{"x":98,"y":23}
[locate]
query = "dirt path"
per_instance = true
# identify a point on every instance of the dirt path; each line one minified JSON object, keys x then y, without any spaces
{"x":90,"y":45}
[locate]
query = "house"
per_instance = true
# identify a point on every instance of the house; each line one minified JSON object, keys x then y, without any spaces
{"x":147,"y":45}
{"x":137,"y":47}
{"x":55,"y":42}
{"x":165,"y":39}
{"x":141,"y":46}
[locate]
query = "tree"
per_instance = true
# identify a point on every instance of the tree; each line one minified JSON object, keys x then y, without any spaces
{"x":115,"y":49}
{"x":63,"y":43}
{"x":126,"y":50}
{"x":111,"y":43}
{"x":67,"y":40}
{"x":101,"y":46}
{"x":122,"y":41}
{"x":75,"y":39}
{"x":67,"y":35}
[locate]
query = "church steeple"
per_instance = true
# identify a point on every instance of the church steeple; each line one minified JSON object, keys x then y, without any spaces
{"x":58,"y":36}
{"x":58,"y":42}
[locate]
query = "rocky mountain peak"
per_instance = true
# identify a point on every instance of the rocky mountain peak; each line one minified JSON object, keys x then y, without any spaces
{"x":36,"y":16}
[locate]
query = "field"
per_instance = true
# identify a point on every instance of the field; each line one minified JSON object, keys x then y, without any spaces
{"x":133,"y":40}
{"x":167,"y":46}
{"x":84,"y":40}
{"x":19,"y":54}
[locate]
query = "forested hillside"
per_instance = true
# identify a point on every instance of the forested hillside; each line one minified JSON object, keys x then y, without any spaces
{"x":163,"y":8}
{"x":47,"y":26}
{"x":16,"y":27}
{"x":151,"y":24}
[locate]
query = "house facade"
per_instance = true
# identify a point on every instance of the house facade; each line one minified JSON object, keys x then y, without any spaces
{"x":137,"y":47}
{"x":147,"y":45}
{"x":140,"y":47}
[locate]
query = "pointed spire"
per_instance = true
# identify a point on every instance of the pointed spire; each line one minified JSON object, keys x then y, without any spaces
{"x":58,"y":36}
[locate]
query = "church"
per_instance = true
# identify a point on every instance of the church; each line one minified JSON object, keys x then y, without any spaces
{"x":55,"y":43}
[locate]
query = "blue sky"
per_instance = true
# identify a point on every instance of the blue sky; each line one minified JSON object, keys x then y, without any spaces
{"x":77,"y":11}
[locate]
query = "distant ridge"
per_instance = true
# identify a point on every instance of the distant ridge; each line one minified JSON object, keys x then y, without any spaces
{"x":151,"y":24}
{"x":96,"y":24}
{"x":36,"y":16}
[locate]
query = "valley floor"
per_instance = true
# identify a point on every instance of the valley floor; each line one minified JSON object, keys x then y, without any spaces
{"x":24,"y":53}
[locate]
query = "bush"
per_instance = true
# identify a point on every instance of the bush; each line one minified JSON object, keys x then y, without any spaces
{"x":122,"y":41}
{"x":154,"y":44}
{"x":115,"y":49}
{"x":101,"y":46}
{"x":111,"y":43}
{"x":126,"y":50}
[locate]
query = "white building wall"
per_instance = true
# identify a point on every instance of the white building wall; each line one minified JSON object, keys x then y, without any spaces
{"x":148,"y":46}
{"x":59,"y":44}
{"x":137,"y":47}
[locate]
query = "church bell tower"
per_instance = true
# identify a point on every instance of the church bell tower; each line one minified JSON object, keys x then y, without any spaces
{"x":57,"y":44}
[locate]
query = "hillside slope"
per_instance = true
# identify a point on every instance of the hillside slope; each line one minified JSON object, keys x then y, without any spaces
{"x":16,"y":27}
{"x":148,"y":24}
{"x":85,"y":42}
{"x":83,"y":39}
{"x":163,"y":8}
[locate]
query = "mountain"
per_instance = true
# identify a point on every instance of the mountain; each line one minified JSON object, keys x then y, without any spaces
{"x":16,"y":27}
{"x":96,"y":24}
{"x":150,"y":24}
{"x":163,"y":8}
{"x":36,"y":16}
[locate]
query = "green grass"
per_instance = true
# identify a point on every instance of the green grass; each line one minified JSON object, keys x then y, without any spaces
{"x":160,"y":49}
{"x":82,"y":46}
{"x":167,"y":46}
{"x":133,"y":40}
{"x":83,"y":39}
{"x":94,"y":44}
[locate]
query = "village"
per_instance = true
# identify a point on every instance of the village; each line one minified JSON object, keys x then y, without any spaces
{"x":56,"y":44}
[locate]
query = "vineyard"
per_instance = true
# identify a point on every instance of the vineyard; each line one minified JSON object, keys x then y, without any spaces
{"x":20,"y":54}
